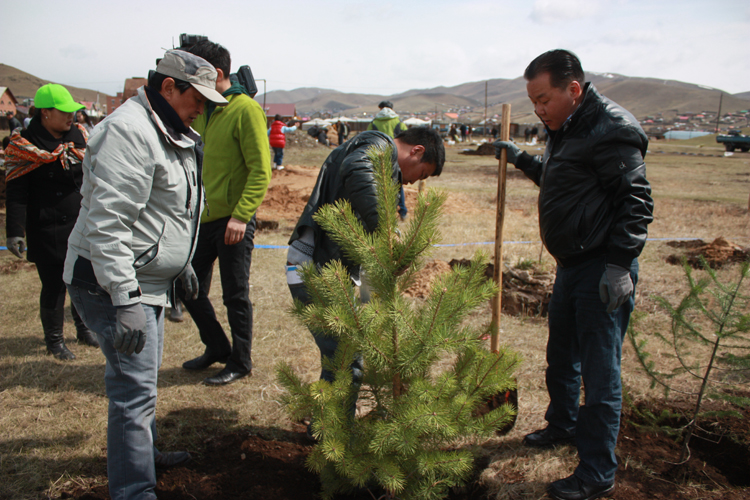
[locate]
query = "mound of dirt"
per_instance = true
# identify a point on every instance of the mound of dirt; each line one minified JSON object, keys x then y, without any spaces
{"x":717,"y":253}
{"x":300,"y":139}
{"x":283,"y":202}
{"x":424,"y":278}
{"x":486,"y":149}
{"x":524,"y":292}
{"x":290,"y":189}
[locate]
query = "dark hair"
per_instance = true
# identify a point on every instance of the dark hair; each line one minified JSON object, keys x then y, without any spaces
{"x":155,"y":81}
{"x":562,"y":66}
{"x":215,"y":54}
{"x":85,"y":117}
{"x":434,"y":151}
{"x":277,"y":117}
{"x":6,"y":141}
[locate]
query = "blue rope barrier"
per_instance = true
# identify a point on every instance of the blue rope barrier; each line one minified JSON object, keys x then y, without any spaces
{"x":285,"y":247}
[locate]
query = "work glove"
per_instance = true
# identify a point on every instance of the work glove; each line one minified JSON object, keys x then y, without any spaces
{"x":513,"y":151}
{"x":16,"y":245}
{"x":615,"y":286}
{"x":130,"y":332}
{"x":189,"y":282}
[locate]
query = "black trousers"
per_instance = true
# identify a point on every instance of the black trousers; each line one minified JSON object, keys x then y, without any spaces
{"x":234,"y":268}
{"x":53,"y":287}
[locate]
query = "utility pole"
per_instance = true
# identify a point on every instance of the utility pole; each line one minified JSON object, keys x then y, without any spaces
{"x":485,"y":107}
{"x":718,"y":115}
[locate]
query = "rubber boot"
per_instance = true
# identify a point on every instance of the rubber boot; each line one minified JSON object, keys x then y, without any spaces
{"x":83,"y":334}
{"x":52,"y":323}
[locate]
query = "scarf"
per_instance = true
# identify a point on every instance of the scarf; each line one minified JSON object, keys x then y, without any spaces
{"x":235,"y":88}
{"x":35,"y":146}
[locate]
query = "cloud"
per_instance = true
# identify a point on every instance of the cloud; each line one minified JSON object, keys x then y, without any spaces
{"x":77,"y":52}
{"x":557,"y":11}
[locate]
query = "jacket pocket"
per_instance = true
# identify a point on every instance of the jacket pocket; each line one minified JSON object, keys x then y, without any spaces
{"x":149,"y":255}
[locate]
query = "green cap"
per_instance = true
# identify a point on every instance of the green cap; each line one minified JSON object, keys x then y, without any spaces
{"x":56,"y":96}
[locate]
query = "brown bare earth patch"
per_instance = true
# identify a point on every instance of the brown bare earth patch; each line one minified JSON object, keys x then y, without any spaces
{"x":290,"y":189}
{"x":14,"y":266}
{"x":524,"y":292}
{"x":248,"y":465}
{"x":717,"y":253}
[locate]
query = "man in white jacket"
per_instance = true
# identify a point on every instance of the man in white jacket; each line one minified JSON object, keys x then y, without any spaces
{"x":135,"y":234}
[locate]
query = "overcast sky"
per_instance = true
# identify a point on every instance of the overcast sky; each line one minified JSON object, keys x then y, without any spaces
{"x":382,"y":46}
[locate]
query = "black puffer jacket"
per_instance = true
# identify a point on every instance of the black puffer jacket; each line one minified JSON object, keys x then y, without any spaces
{"x":347,"y":174}
{"x":594,"y":198}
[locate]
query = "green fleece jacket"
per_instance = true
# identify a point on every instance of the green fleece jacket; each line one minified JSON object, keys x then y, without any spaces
{"x":237,"y":158}
{"x":388,"y":122}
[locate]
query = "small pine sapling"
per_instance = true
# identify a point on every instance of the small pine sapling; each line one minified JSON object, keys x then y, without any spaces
{"x":714,"y":317}
{"x":407,"y":443}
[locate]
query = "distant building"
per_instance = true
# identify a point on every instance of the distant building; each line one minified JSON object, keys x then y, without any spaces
{"x":8,"y":101}
{"x":130,"y":89}
{"x":287,"y":112}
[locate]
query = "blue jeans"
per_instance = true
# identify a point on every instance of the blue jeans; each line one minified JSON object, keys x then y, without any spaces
{"x":402,"y":211}
{"x":327,"y":342}
{"x":131,"y":388}
{"x":234,"y":268}
{"x":585,"y":343}
{"x":278,"y":155}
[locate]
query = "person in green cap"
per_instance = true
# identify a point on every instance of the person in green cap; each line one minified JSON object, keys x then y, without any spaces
{"x":43,"y":180}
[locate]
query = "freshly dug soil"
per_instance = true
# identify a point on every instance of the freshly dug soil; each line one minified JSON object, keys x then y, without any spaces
{"x":524,"y":292}
{"x":290,"y":189}
{"x":246,"y":465}
{"x":717,"y":253}
{"x":486,"y":149}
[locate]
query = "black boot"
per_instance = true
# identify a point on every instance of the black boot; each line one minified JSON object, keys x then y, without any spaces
{"x":83,"y":334}
{"x":52,"y":323}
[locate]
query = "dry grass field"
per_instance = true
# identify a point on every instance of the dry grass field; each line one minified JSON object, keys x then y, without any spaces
{"x":53,"y":414}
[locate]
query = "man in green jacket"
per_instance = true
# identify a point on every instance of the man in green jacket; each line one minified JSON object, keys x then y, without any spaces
{"x":236,"y":174}
{"x":388,"y":122}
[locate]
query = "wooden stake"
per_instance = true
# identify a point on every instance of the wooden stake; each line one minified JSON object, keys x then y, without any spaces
{"x":500,"y":220}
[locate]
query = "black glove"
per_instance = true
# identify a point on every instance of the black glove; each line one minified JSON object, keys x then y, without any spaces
{"x":615,"y":286}
{"x":130,"y":332}
{"x":189,"y":282}
{"x":16,"y":245}
{"x":513,"y":151}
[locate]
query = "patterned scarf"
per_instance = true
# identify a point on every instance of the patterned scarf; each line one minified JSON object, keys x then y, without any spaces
{"x":22,"y":157}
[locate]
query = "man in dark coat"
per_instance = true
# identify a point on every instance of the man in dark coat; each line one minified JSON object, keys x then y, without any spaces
{"x":594,"y":206}
{"x":348,"y":174}
{"x":13,"y":122}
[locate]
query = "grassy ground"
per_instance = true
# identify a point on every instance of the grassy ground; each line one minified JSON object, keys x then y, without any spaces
{"x":53,"y":418}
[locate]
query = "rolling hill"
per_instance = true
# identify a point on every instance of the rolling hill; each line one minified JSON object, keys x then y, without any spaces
{"x":642,"y":96}
{"x":25,"y":85}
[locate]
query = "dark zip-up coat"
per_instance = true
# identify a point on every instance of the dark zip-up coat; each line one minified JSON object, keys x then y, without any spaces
{"x":594,"y":198}
{"x":347,"y":174}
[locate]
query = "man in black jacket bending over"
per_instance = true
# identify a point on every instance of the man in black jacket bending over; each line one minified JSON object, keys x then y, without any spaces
{"x":594,"y":206}
{"x":348,"y":174}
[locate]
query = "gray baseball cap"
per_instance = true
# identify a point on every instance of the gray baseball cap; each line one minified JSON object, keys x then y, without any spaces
{"x":193,"y":69}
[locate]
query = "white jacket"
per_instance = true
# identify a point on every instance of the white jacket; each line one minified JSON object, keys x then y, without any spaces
{"x":142,"y":200}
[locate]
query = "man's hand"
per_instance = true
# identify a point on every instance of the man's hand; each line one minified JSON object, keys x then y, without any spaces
{"x":235,"y":231}
{"x":189,"y":282}
{"x":16,"y":245}
{"x":130,"y":331}
{"x":615,"y":286}
{"x":513,"y":151}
